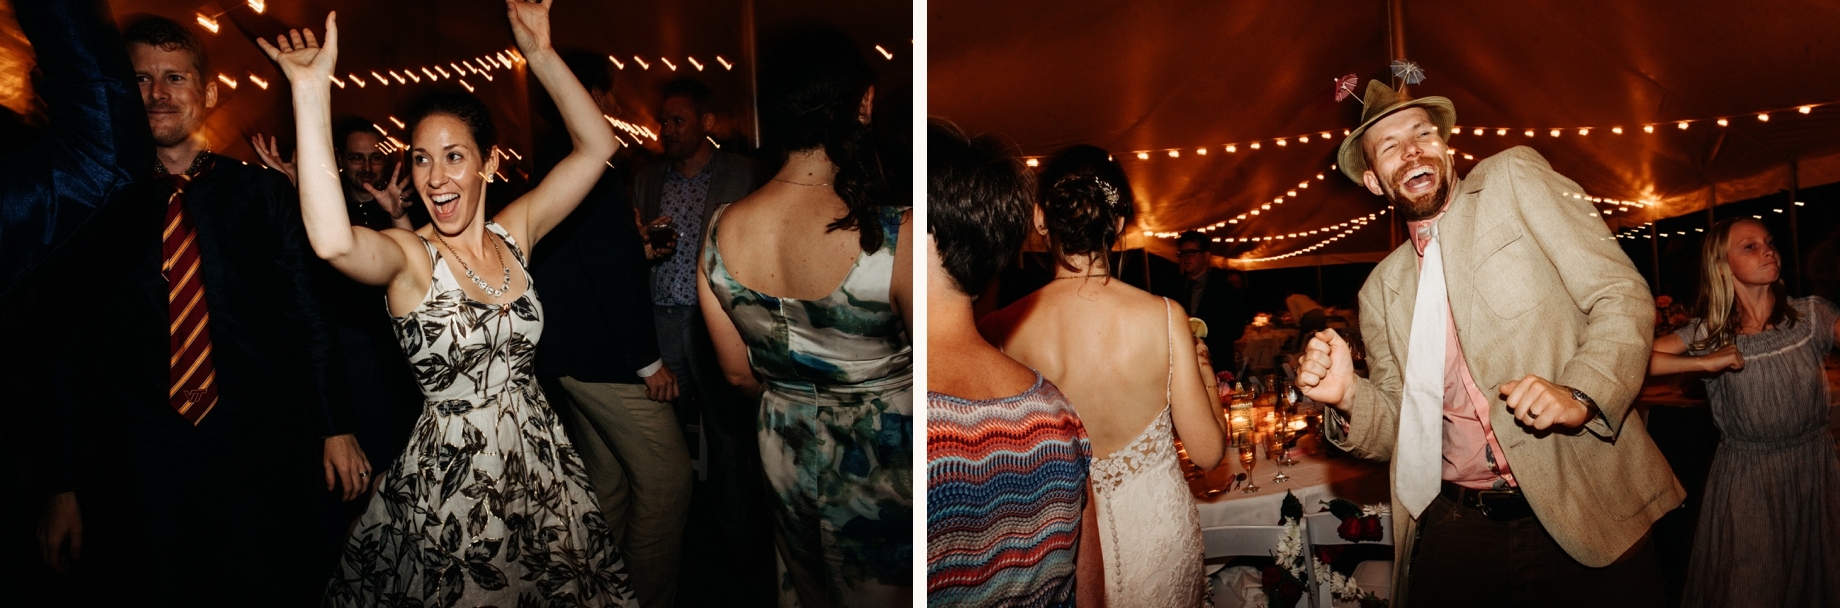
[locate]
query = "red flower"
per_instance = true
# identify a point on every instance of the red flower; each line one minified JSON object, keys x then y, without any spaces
{"x":1360,"y":529}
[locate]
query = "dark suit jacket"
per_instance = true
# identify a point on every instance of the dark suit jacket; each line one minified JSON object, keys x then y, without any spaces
{"x":278,"y":372}
{"x":1222,"y":307}
{"x":732,"y":179}
{"x":596,"y":290}
{"x":96,"y":142}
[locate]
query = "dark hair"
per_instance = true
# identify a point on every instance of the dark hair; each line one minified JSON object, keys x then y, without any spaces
{"x":978,"y":204}
{"x":167,"y":35}
{"x":1077,"y":190}
{"x":346,"y":127}
{"x":699,"y":94}
{"x":467,"y":108}
{"x":812,"y":81}
{"x":589,"y":68}
{"x":1192,"y":236}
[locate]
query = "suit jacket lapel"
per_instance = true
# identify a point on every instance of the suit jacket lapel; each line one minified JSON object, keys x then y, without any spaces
{"x":1402,"y":281}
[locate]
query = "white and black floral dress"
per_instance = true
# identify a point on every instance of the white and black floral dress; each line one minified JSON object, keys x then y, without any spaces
{"x":489,"y":504}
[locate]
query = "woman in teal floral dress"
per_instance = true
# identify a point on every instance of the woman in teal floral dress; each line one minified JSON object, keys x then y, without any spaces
{"x":805,"y":286}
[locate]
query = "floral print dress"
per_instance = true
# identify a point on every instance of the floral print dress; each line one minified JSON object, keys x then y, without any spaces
{"x":835,"y":427}
{"x":489,"y":503}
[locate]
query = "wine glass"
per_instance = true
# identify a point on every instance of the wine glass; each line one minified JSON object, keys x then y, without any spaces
{"x":1249,"y":458}
{"x":1274,"y":451}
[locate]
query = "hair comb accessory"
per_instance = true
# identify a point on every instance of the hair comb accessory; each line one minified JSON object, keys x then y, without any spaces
{"x":1111,"y":192}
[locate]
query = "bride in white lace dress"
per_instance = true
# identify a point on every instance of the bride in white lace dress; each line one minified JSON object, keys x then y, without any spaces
{"x":1127,"y":362}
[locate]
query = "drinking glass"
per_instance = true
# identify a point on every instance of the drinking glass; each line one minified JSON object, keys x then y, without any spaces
{"x":1274,"y":451}
{"x":1249,"y":458}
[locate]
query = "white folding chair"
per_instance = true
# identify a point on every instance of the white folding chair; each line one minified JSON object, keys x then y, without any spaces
{"x":1234,"y":541}
{"x":1371,"y":575}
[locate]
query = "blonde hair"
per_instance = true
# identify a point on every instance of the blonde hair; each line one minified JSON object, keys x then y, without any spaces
{"x":1718,"y":291}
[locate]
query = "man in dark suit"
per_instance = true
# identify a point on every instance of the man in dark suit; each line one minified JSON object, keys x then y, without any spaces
{"x":600,"y":354}
{"x":684,"y":192}
{"x":1212,"y":295}
{"x":95,"y":142}
{"x":197,"y":415}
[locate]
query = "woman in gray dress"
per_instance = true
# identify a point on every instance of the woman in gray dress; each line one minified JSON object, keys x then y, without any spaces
{"x":1769,"y":528}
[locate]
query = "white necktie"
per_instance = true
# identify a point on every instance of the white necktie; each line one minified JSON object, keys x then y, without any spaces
{"x":1420,"y":449}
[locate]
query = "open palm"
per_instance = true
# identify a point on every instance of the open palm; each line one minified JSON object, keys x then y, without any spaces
{"x":301,"y":56}
{"x":529,"y":23}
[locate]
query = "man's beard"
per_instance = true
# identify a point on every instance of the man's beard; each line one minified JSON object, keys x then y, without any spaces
{"x":1427,"y":205}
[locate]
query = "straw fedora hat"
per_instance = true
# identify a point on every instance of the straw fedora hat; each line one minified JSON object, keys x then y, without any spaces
{"x":1381,"y":101}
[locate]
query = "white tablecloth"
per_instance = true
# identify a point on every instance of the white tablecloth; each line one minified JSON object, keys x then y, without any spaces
{"x":1314,"y":478}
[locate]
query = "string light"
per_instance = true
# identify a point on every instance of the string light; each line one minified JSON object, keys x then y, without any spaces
{"x":231,"y":82}
{"x":208,"y":23}
{"x":1763,"y":116}
{"x":698,"y":64}
{"x":725,"y":63}
{"x":641,"y":61}
{"x":1277,"y":200}
{"x":1347,"y":228}
{"x":463,"y":83}
{"x":885,"y":54}
{"x":258,"y":6}
{"x":337,"y":81}
{"x":259,"y":81}
{"x":667,"y":63}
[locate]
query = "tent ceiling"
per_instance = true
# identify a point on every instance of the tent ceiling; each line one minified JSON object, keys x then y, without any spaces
{"x":1157,"y":76}
{"x":403,"y":34}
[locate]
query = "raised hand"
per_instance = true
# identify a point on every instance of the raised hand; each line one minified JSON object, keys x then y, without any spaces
{"x":271,"y":157}
{"x":1326,"y":370}
{"x":529,"y":24}
{"x":302,"y":58}
{"x":390,"y":198}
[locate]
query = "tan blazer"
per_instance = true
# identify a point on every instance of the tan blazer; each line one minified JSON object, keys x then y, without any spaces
{"x":1537,"y":286}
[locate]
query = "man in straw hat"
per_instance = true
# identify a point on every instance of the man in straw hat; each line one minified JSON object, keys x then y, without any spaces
{"x":1506,"y":343}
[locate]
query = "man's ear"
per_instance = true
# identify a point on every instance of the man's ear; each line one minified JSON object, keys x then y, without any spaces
{"x":210,"y":93}
{"x":867,"y":110}
{"x":1372,"y":181}
{"x":708,"y":121}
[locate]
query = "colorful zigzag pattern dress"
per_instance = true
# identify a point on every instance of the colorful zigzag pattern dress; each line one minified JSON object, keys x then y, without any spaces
{"x":1006,"y":483}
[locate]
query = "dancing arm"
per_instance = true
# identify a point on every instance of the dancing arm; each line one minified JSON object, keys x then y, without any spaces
{"x":901,"y":288}
{"x":532,"y":215}
{"x":365,"y":255}
{"x":1197,"y":420}
{"x":1669,"y":357}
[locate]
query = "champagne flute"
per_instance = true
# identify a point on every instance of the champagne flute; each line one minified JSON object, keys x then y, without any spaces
{"x":1249,"y":458}
{"x":1274,"y":451}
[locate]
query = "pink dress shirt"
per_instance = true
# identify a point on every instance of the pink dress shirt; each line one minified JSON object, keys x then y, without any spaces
{"x":1469,"y":438}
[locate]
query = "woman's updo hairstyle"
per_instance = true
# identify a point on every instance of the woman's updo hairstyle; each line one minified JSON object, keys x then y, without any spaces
{"x":469,"y":110}
{"x":812,"y":81}
{"x":1083,"y":195}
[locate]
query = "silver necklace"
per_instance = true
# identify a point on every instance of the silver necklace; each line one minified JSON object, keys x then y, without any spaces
{"x":799,"y":183}
{"x":469,"y":270}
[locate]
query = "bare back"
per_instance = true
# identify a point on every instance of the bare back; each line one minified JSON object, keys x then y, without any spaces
{"x":1109,"y":347}
{"x":789,"y":253}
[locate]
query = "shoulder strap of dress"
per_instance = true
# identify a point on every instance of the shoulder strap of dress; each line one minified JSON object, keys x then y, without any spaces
{"x":709,"y":236}
{"x":1169,"y":381}
{"x":432,"y":254}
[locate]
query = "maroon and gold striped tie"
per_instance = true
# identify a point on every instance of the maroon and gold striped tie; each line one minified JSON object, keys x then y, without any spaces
{"x":194,"y":381}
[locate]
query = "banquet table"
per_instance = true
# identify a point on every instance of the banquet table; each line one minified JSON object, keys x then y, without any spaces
{"x":1315,"y":478}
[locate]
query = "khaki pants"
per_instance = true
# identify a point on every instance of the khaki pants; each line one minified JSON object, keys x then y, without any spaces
{"x":636,"y":461}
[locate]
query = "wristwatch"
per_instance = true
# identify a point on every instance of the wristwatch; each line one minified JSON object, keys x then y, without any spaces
{"x":1589,"y":404}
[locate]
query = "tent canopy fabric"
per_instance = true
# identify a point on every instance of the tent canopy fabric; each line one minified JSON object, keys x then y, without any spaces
{"x":409,"y":35}
{"x":1157,"y":77}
